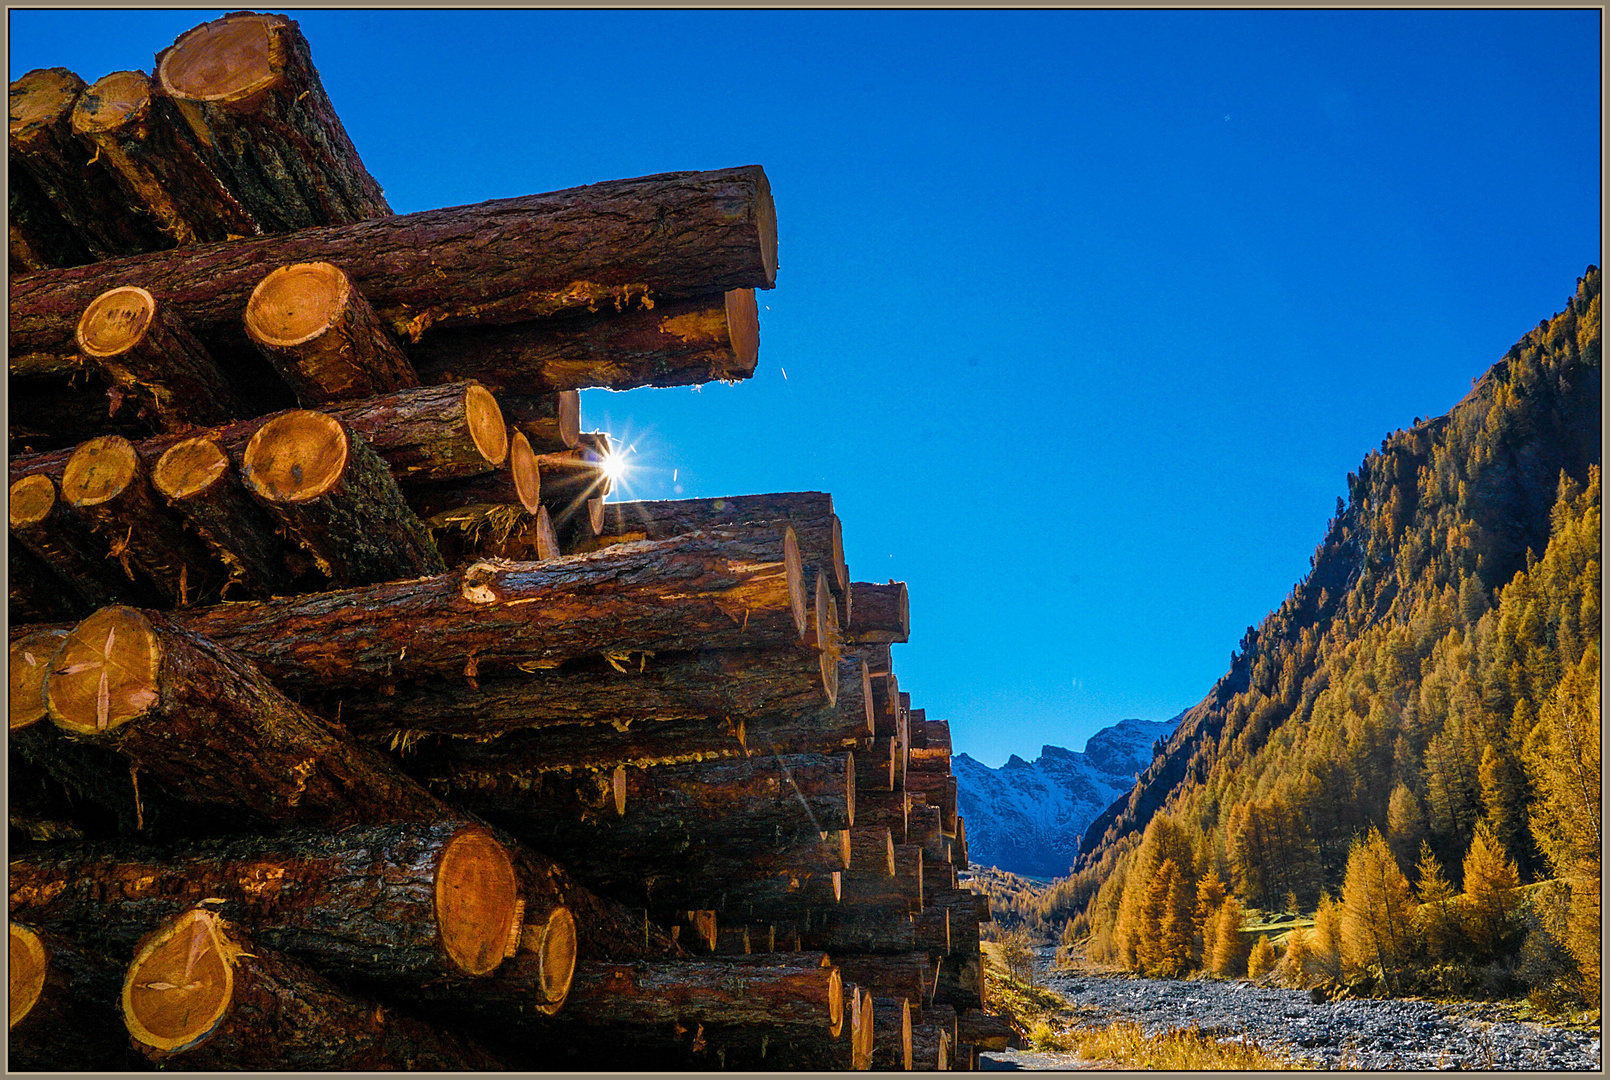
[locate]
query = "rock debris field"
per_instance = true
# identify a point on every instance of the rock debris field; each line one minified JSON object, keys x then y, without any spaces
{"x":1354,"y":1034}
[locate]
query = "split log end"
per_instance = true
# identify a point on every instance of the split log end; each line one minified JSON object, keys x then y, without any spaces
{"x":181,"y":982}
{"x":105,"y":673}
{"x":30,"y":663}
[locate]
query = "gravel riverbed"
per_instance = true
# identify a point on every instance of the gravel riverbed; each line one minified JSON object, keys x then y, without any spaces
{"x":1354,"y":1034}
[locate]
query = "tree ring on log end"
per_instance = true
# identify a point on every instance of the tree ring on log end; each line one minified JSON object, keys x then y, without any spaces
{"x":766,"y":228}
{"x":105,"y":673}
{"x":29,"y":962}
{"x":296,"y":303}
{"x":485,"y":420}
{"x":849,"y":793}
{"x":99,"y":471}
{"x":527,"y":474}
{"x":32,"y":498}
{"x":617,"y":789}
{"x":567,"y":410}
{"x":824,"y":637}
{"x":296,"y":457}
{"x":115,"y":321}
{"x":796,"y":579}
{"x":835,"y":1000}
{"x":181,"y":983}
{"x":111,"y":101}
{"x":476,"y":897}
{"x":38,"y":99}
{"x":743,"y":329}
{"x":227,"y":60}
{"x":558,"y":959}
{"x":30,"y":663}
{"x":190,"y":467}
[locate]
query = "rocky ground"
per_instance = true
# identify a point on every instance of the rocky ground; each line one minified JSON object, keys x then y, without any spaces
{"x":1352,"y":1034}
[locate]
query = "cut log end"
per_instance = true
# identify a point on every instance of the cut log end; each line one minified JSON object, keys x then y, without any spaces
{"x":766,"y":227}
{"x":558,"y":956}
{"x":476,"y":900}
{"x":29,"y":962}
{"x":190,"y":467}
{"x":39,"y":98}
{"x":295,"y":304}
{"x":180,"y":984}
{"x":32,"y":499}
{"x":226,"y":60}
{"x":835,"y":1001}
{"x":485,"y":421}
{"x":617,"y":789}
{"x":30,"y":661}
{"x":105,"y":673}
{"x":796,"y":580}
{"x":99,"y":471}
{"x":567,"y":409}
{"x":111,"y":101}
{"x":527,"y":474}
{"x":743,"y":330}
{"x":296,"y":457}
{"x":115,"y":322}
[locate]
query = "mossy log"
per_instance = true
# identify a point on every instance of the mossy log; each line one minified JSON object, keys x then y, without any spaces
{"x":510,"y":260}
{"x":206,"y":726}
{"x":246,"y":85}
{"x":201,"y":994}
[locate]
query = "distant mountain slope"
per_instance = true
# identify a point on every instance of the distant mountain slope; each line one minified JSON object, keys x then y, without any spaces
{"x":1027,"y":817}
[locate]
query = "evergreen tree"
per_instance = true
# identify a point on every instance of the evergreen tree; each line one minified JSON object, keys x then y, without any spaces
{"x":1229,"y":944}
{"x":1262,"y":957}
{"x":1377,"y":906}
{"x":1325,"y":945}
{"x":1490,"y":884}
{"x":1438,"y":916}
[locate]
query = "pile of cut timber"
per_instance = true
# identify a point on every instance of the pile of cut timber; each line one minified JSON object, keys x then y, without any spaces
{"x":351,"y":727}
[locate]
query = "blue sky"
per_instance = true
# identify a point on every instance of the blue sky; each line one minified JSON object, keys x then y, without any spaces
{"x":1084,"y":315}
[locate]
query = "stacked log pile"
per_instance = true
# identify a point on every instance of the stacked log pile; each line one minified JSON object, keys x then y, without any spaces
{"x":351,"y":727}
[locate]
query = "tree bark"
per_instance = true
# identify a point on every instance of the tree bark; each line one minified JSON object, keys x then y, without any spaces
{"x":937,"y":875}
{"x":551,"y":421}
{"x":891,"y":1034}
{"x":40,"y":238}
{"x":201,"y":994}
{"x":967,"y":908}
{"x":732,"y":941}
{"x":871,"y":848}
{"x":940,"y":789}
{"x":907,"y":975}
{"x":930,"y":753}
{"x":659,"y":237}
{"x":64,"y":1007}
{"x":677,"y":342}
{"x":803,"y":992}
{"x":67,"y":544}
{"x":908,"y":873}
{"x":517,"y":483}
{"x":209,"y":728}
{"x":961,"y":979}
{"x":246,"y":85}
{"x":388,"y":904}
{"x":930,"y":1048}
{"x":106,"y":482}
{"x":874,"y":768}
{"x":429,"y":434}
{"x":986,"y":1031}
{"x":886,"y":704}
{"x":858,"y":927}
{"x":876,"y":654}
{"x":492,"y":618}
{"x":37,"y":592}
{"x":879,"y":613}
{"x":318,"y":331}
{"x":197,"y":479}
{"x":867,"y":888}
{"x":493,"y":531}
{"x":337,"y":499}
{"x":923,"y":827}
{"x":159,"y":162}
{"x":885,"y":808}
{"x":83,"y":191}
{"x":932,"y":926}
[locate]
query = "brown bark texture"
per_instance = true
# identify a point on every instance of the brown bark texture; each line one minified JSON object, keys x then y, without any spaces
{"x":83,"y":191}
{"x":67,"y":543}
{"x":932,"y":752}
{"x":908,"y":873}
{"x":37,"y":593}
{"x":40,"y":238}
{"x":551,"y":421}
{"x":197,"y":479}
{"x":276,"y":1013}
{"x":940,"y":789}
{"x":359,"y":905}
{"x":676,"y":342}
{"x":161,"y":165}
{"x":961,"y":979}
{"x":871,"y":847}
{"x":884,"y":808}
{"x":246,"y":85}
{"x":431,"y":433}
{"x":494,"y":617}
{"x":657,"y":237}
{"x":64,"y":1007}
{"x":854,"y":928}
{"x":874,"y":768}
{"x":986,"y":1031}
{"x":879,"y":613}
{"x":930,"y":1048}
{"x":908,"y":975}
{"x":891,"y":1038}
{"x":923,"y":827}
{"x":206,"y":726}
{"x":352,"y":520}
{"x":473,"y":532}
{"x":799,"y":991}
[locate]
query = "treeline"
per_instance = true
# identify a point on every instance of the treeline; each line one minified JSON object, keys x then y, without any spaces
{"x":1421,"y":713}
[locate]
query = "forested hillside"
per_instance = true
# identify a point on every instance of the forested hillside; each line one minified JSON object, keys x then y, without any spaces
{"x":1415,"y":731}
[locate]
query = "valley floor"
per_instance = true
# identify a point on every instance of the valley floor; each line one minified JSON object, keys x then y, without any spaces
{"x":1351,"y":1034}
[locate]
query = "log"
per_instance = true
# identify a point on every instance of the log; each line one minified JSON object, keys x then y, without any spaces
{"x":967,"y":908}
{"x":29,"y":659}
{"x":209,"y":728}
{"x":741,"y":897}
{"x":387,"y":904}
{"x":317,"y":330}
{"x":930,"y":1048}
{"x":40,"y":238}
{"x":732,"y":941}
{"x":763,"y":938}
{"x":37,"y":593}
{"x":984,"y":1030}
{"x":937,"y":876}
{"x":201,"y":994}
{"x":64,"y":1007}
{"x":871,"y":850}
{"x":822,"y":634}
{"x":863,"y":888}
{"x":517,"y":483}
{"x":923,"y":827}
{"x":570,"y":480}
{"x":161,"y":165}
{"x":696,"y":931}
{"x":196,"y":478}
{"x":862,"y":1028}
{"x":940,"y":790}
{"x":879,"y":613}
{"x":907,"y":975}
{"x":551,"y":421}
{"x":430,"y":434}
{"x":246,"y":85}
{"x":876,"y":655}
{"x":932,"y":929}
{"x":960,"y":980}
{"x":83,"y":191}
{"x":106,"y":482}
{"x":886,"y":704}
{"x":932,"y":754}
{"x":804,"y":990}
{"x":874,"y":768}
{"x":821,"y":543}
{"x":335,"y":497}
{"x":908,"y":873}
{"x":885,"y":808}
{"x":690,"y":593}
{"x":658,"y":237}
{"x":65,"y":541}
{"x":891,"y":1038}
{"x":677,"y":342}
{"x":943,"y":1017}
{"x":858,"y":927}
{"x":493,"y":531}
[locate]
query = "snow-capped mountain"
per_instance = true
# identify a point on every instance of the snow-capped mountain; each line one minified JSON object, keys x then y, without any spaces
{"x":1027,"y":817}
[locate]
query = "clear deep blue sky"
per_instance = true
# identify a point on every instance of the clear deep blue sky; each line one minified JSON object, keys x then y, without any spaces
{"x":1085,"y":315}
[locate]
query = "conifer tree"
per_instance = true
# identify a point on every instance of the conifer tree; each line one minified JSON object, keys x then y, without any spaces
{"x":1325,"y":945}
{"x":1294,"y":966}
{"x":1438,"y":916}
{"x":1262,"y":957}
{"x":1377,"y":906}
{"x":1405,"y":824}
{"x":1229,"y":944}
{"x":1490,"y":884}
